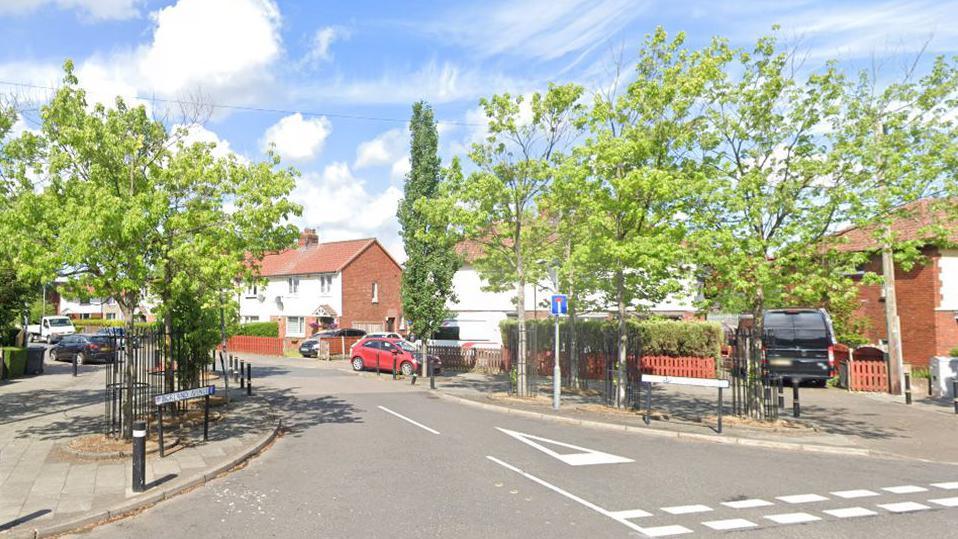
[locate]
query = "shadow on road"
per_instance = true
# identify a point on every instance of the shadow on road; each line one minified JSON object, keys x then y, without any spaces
{"x":301,"y":413}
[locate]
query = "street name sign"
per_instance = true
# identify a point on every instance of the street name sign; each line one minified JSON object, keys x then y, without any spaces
{"x":560,"y":304}
{"x":685,"y":381}
{"x":186,"y":394}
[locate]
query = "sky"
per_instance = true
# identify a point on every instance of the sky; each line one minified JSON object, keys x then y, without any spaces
{"x":330,"y":84}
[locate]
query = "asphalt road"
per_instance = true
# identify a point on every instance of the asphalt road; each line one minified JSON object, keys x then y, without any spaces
{"x":373,"y":458}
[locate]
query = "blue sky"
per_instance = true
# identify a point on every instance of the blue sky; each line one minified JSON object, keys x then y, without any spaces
{"x":339,"y":77}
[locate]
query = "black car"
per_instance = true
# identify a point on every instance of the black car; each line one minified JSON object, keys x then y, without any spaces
{"x":310,"y":347}
{"x":85,"y":348}
{"x":799,"y":344}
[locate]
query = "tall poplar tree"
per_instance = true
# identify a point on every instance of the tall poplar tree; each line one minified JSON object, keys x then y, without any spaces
{"x":431,"y":260}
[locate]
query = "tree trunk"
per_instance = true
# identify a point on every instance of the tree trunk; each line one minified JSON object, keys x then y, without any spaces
{"x":755,"y":352}
{"x":623,"y":340}
{"x":521,"y":359}
{"x":573,"y":343}
{"x":127,"y":306}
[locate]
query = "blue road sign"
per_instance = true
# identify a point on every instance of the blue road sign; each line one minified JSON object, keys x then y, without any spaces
{"x":560,"y":304}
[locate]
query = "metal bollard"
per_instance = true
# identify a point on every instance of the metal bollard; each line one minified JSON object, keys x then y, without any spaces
{"x":954,"y":393}
{"x":796,"y":407}
{"x":907,"y":388}
{"x":394,"y":367}
{"x":249,"y":379}
{"x":74,"y":365}
{"x":929,"y":384}
{"x":781,"y":394}
{"x":139,"y":456}
{"x":242,"y":378}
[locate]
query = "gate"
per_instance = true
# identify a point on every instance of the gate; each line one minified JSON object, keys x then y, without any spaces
{"x":751,"y":384}
{"x":147,"y":363}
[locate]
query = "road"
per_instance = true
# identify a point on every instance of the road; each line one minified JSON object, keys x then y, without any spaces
{"x":367,"y":457}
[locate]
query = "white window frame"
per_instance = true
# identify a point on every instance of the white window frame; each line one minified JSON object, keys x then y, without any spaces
{"x":375,"y":292}
{"x":293,"y":284}
{"x":111,"y":316}
{"x":250,"y":319}
{"x":301,"y":326}
{"x":325,"y":284}
{"x":251,"y":291}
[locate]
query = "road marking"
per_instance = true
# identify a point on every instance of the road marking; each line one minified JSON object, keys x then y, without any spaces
{"x":631,"y":513}
{"x":792,"y":518}
{"x":905,"y":489}
{"x":404,"y":418}
{"x":620,"y":516}
{"x":860,"y":493}
{"x":747,"y":504}
{"x":686,"y":509}
{"x":585,"y":457}
{"x":903,"y":507}
{"x":802,"y":498}
{"x":663,"y":531}
{"x":946,"y":502}
{"x":946,"y":486}
{"x":730,"y":524}
{"x":850,"y":512}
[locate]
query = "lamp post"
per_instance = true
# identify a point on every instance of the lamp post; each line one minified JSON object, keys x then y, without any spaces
{"x":556,"y":369}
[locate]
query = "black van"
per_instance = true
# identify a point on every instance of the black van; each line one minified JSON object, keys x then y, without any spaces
{"x":799,"y":344}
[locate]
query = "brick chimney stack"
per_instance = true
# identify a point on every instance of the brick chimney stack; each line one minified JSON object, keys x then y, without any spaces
{"x":308,"y":237}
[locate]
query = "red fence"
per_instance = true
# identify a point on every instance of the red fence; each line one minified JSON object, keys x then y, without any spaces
{"x":867,"y":370}
{"x":265,"y":346}
{"x":340,"y":345}
{"x":691,"y":367}
{"x":593,"y":366}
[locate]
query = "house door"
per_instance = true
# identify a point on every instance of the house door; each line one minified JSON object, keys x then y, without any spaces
{"x":390,"y":324}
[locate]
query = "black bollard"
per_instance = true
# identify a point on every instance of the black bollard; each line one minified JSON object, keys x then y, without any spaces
{"x":242,"y":378}
{"x":796,"y":407}
{"x":954,"y":392}
{"x":139,"y":456}
{"x":394,"y":366}
{"x":781,"y":395}
{"x":432,"y":374}
{"x":907,"y":388}
{"x":249,"y":379}
{"x":206,"y":418}
{"x":74,"y":365}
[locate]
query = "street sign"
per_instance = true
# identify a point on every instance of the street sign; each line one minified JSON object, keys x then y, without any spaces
{"x":684,"y":381}
{"x":186,"y":394}
{"x":560,"y":304}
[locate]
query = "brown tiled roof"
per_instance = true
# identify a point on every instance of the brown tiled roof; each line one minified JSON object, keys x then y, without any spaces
{"x":916,"y":219}
{"x":469,"y":250}
{"x":328,"y":257}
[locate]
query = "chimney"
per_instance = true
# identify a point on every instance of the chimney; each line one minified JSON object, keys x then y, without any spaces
{"x":308,"y":237}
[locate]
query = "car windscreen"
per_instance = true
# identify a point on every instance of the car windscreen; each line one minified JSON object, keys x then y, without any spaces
{"x":59,"y":322}
{"x":101,"y":339}
{"x":799,"y":329}
{"x":407,"y":346}
{"x":448,"y":333}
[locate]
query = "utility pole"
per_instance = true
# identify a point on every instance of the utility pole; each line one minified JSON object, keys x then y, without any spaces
{"x":556,"y":369}
{"x":896,"y":370}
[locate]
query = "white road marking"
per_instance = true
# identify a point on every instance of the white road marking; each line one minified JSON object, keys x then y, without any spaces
{"x":850,"y":512}
{"x":903,"y":507}
{"x":730,"y":524}
{"x":946,"y":486}
{"x":404,"y":418}
{"x":686,"y":509}
{"x":860,"y":493}
{"x":792,"y":518}
{"x":631,"y":513}
{"x":905,"y":489}
{"x":802,"y":498}
{"x":585,"y":457}
{"x":747,"y":504}
{"x":946,"y":502}
{"x":619,"y":516}
{"x":663,"y":531}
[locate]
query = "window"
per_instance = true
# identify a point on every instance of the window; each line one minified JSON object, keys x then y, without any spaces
{"x":375,"y":345}
{"x":293,"y":285}
{"x":85,"y":301}
{"x":250,"y":319}
{"x":111,"y":316}
{"x":295,"y":326}
{"x":251,"y":291}
{"x":84,"y":316}
{"x":375,"y":292}
{"x":325,"y":284}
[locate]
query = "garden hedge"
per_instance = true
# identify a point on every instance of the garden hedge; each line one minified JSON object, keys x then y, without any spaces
{"x":257,"y":329}
{"x":658,"y":337}
{"x":15,"y":361}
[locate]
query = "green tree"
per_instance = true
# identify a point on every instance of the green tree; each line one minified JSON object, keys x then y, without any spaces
{"x":643,"y":176}
{"x":497,"y":204}
{"x":431,"y":260}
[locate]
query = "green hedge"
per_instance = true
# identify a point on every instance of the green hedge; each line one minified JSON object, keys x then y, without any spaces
{"x":673,"y":338}
{"x":15,"y":361}
{"x":97,"y":323}
{"x":257,"y":329}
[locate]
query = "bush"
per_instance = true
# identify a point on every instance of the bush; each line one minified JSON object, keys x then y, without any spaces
{"x":257,"y":329}
{"x":15,"y":361}
{"x":657,"y":337}
{"x":953,"y":352}
{"x":94,"y":324}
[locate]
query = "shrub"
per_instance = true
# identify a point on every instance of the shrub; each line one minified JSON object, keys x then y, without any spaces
{"x":953,"y":352}
{"x":657,"y":337}
{"x":93,"y":324}
{"x":15,"y":361}
{"x":257,"y":329}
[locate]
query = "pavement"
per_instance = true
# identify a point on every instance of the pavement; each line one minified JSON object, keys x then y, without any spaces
{"x":368,"y":456}
{"x":45,"y":487}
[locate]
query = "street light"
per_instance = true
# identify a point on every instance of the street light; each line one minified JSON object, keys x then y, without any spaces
{"x":556,"y":369}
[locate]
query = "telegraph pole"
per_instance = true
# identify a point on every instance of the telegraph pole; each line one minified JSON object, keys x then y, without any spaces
{"x":896,"y":370}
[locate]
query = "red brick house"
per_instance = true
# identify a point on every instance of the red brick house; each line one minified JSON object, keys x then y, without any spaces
{"x":927,"y":294}
{"x":353,"y":283}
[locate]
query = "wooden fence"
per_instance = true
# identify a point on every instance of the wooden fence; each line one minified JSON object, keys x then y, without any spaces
{"x":595,"y":366}
{"x":264,"y":346}
{"x":866,"y":366}
{"x":690,"y":367}
{"x":456,"y":359}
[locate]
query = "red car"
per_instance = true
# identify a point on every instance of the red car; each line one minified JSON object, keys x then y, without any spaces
{"x":378,"y":353}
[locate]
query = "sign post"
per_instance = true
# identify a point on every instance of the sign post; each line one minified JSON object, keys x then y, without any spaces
{"x":560,"y":306}
{"x":168,"y":398}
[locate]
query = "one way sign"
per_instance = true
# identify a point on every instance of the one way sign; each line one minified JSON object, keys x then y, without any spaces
{"x":560,"y":304}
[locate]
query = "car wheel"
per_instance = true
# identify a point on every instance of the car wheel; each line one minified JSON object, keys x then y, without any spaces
{"x":357,"y":363}
{"x":81,"y":359}
{"x":53,"y":356}
{"x":406,"y":368}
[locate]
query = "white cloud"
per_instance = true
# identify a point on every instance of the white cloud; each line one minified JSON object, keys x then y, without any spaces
{"x":400,"y":168}
{"x":330,"y":200}
{"x":198,"y":133}
{"x":322,"y":40}
{"x":538,"y":29}
{"x":297,"y":138}
{"x":389,"y":148}
{"x":93,"y":9}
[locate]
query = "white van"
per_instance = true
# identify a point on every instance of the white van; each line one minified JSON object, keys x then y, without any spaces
{"x":51,"y":329}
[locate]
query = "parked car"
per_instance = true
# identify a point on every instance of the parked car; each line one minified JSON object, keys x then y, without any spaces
{"x":382,"y":353}
{"x":51,"y":329}
{"x":85,"y":348}
{"x":384,"y":335}
{"x":799,"y":344}
{"x":117,"y":334}
{"x":310,"y":346}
